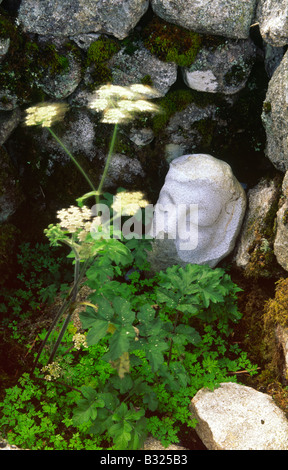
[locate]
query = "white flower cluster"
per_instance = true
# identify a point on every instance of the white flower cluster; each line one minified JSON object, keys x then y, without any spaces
{"x":53,"y":370}
{"x":128,"y":203}
{"x":79,"y":340}
{"x":74,"y":218}
{"x":45,"y":114}
{"x":119,"y":103}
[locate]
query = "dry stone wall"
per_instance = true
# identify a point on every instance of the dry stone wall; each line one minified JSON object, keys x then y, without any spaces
{"x":50,"y":50}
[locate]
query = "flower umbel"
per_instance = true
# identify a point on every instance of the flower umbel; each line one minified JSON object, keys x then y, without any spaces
{"x":79,"y":340}
{"x":119,"y":103}
{"x":74,"y":218}
{"x":53,"y":370}
{"x":45,"y":114}
{"x":128,"y":203}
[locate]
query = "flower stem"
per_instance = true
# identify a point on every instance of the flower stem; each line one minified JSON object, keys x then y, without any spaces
{"x":72,"y":158}
{"x":112,"y":144}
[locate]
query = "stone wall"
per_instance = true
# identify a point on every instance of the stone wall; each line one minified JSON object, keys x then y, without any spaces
{"x":218,"y":70}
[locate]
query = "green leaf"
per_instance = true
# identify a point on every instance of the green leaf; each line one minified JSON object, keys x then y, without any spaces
{"x":154,"y":353}
{"x":146,"y":313}
{"x":119,"y":342}
{"x":188,"y":334}
{"x":169,"y":298}
{"x":99,"y":273}
{"x":87,"y":407}
{"x":121,"y":434}
{"x":97,"y":332}
{"x":116,"y":251}
{"x":188,"y":308}
{"x":123,"y":309}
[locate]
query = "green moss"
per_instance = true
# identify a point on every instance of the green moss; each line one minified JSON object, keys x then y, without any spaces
{"x":276,"y":314}
{"x":27,"y":62}
{"x":147,"y":80}
{"x":285,"y":217}
{"x":7,"y":28}
{"x":262,"y":261}
{"x":98,"y":54}
{"x":206,"y":128}
{"x":101,"y":50}
{"x":267,"y":107}
{"x":177,"y":100}
{"x":276,"y":310}
{"x":171,"y":43}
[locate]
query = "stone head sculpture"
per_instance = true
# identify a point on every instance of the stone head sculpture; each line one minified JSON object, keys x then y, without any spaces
{"x":198,"y":214}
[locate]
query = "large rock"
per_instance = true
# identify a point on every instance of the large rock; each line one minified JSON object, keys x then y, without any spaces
{"x":187,"y":129}
{"x":281,"y":239}
{"x":123,"y":171}
{"x":275,"y":116}
{"x":60,"y":85}
{"x":198,"y":214}
{"x":4,"y":47}
{"x":9,"y":120}
{"x":254,"y":242}
{"x":224,"y":69}
{"x":228,"y":18}
{"x":128,"y":69}
{"x":273,"y":21}
{"x":236,"y":417}
{"x":76,"y":17}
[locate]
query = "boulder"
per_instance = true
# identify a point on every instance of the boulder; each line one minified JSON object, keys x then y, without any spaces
{"x":190,"y":128}
{"x":4,"y":47}
{"x":9,"y":120}
{"x":224,"y":69}
{"x":237,"y":417}
{"x":272,"y":58}
{"x":254,"y":241}
{"x":273,"y":21}
{"x":198,"y":214}
{"x":228,"y":18}
{"x":281,"y":239}
{"x":76,"y":17}
{"x":275,"y":117}
{"x":128,"y":69}
{"x":62,"y":84}
{"x":141,"y":137}
{"x":123,"y":171}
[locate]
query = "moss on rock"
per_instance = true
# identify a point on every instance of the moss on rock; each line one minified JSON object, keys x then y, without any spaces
{"x":171,"y":43}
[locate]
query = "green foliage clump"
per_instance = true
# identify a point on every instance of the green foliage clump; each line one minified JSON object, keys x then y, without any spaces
{"x":262,"y":261}
{"x":173,"y":102}
{"x":150,"y":345}
{"x":276,"y":310}
{"x":171,"y":43}
{"x":39,"y":274}
{"x":98,"y":54}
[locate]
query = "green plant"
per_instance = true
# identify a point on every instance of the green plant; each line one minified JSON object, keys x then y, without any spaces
{"x":41,"y":272}
{"x":98,"y":54}
{"x":160,"y":357}
{"x":171,"y":43}
{"x":148,"y":343}
{"x":118,"y":104}
{"x":112,"y":390}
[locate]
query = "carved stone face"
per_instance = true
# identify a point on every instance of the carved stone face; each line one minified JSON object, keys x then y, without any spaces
{"x":200,"y":209}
